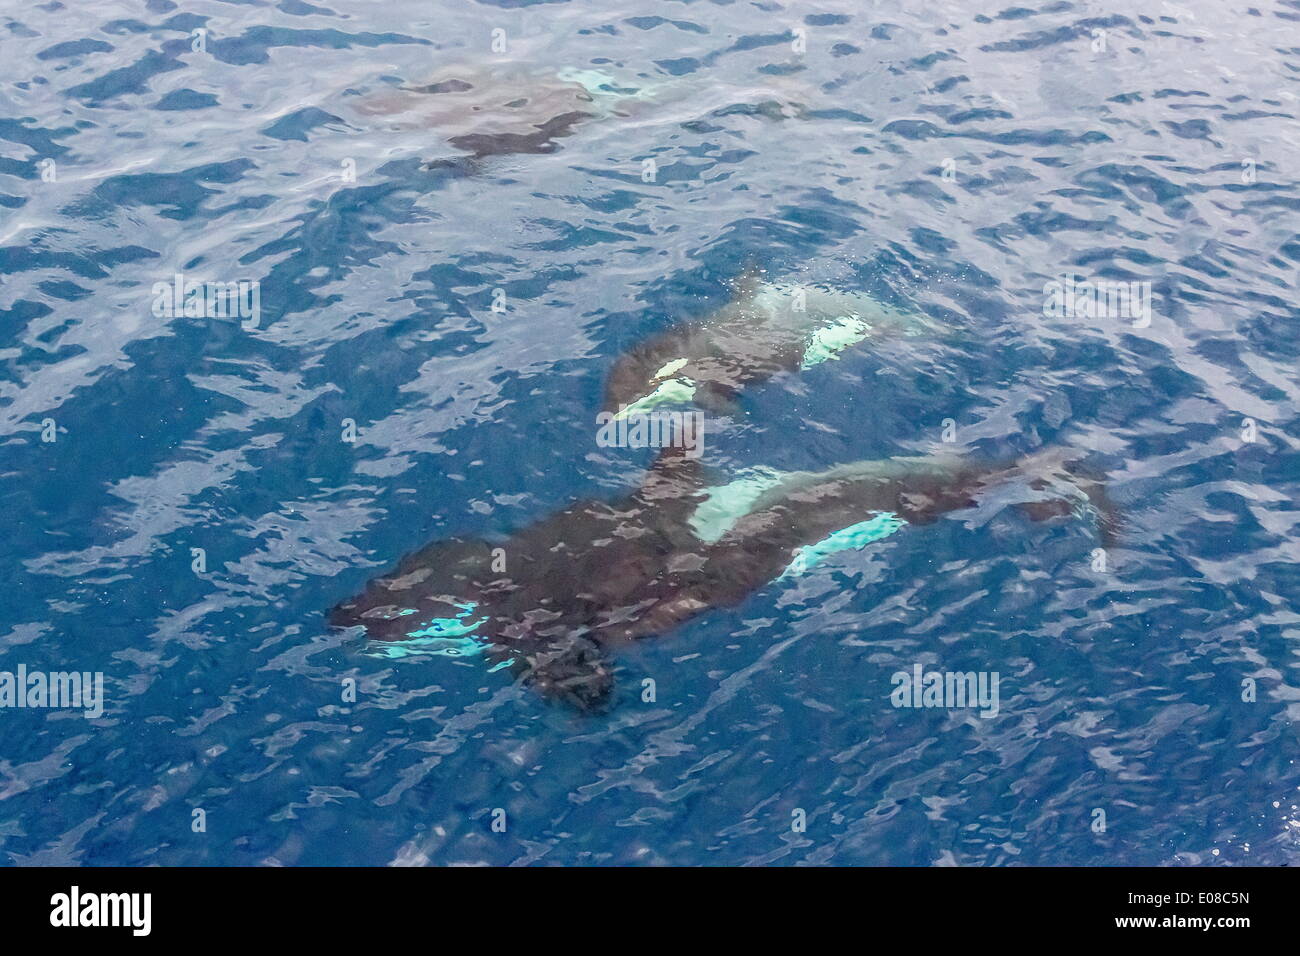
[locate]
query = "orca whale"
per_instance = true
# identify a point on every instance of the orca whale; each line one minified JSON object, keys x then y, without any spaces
{"x":766,"y":328}
{"x":552,"y":600}
{"x":495,"y":109}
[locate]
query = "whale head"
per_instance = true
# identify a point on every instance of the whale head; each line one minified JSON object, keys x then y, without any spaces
{"x":427,"y":591}
{"x":446,"y":601}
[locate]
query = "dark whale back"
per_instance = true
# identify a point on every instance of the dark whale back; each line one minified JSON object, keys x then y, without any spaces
{"x":488,"y":111}
{"x":558,"y":591}
{"x":553,"y":597}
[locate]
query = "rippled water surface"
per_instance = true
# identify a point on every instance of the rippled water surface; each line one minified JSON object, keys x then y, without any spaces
{"x":946,"y":160}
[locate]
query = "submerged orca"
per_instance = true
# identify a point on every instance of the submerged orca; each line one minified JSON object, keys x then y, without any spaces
{"x":549,"y":602}
{"x":495,"y":109}
{"x":765,"y":329}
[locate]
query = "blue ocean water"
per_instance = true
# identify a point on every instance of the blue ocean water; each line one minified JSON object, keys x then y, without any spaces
{"x":947,"y":161}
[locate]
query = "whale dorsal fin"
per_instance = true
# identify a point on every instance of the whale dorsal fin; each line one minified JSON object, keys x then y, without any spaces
{"x":670,"y":494}
{"x":674,"y":477}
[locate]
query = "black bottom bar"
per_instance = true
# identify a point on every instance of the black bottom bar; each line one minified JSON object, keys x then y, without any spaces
{"x":337,"y":906}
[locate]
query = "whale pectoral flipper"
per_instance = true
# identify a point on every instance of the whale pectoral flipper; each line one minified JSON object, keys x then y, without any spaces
{"x":572,"y":668}
{"x":540,"y":140}
{"x":719,"y":400}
